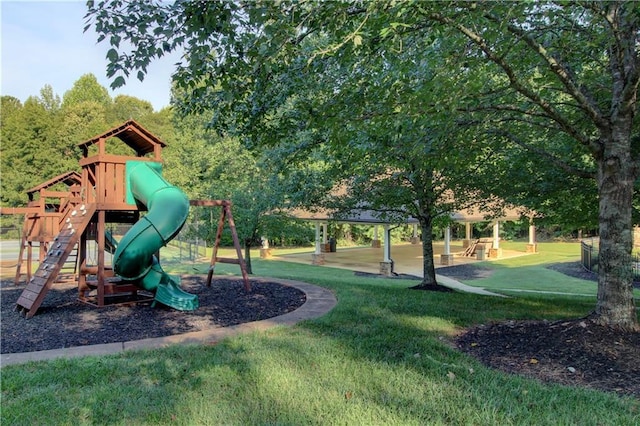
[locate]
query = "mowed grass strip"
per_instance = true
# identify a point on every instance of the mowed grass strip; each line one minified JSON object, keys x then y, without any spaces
{"x":381,"y":356}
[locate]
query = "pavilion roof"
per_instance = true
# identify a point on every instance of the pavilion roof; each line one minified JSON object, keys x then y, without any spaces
{"x":370,"y":217}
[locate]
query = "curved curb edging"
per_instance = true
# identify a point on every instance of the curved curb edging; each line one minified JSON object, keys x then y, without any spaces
{"x":319,"y":302}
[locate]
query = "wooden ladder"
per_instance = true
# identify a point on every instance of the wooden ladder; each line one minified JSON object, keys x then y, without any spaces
{"x":25,"y":245}
{"x":63,"y":244}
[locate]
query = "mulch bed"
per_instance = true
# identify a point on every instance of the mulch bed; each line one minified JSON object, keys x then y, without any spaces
{"x":574,"y":352}
{"x":62,"y":321}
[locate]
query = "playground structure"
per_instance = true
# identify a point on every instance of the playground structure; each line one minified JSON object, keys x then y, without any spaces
{"x":112,"y":189}
{"x":43,"y":218}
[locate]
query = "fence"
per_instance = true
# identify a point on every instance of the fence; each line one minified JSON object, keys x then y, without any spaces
{"x":189,"y":250}
{"x":589,"y":251}
{"x":184,"y":248}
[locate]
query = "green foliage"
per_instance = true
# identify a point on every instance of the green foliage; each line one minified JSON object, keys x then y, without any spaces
{"x":127,"y":108}
{"x":87,"y":89}
{"x":40,"y":138}
{"x":28,"y":147}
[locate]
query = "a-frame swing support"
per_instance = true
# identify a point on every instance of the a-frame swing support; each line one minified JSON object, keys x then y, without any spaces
{"x":225,"y":216}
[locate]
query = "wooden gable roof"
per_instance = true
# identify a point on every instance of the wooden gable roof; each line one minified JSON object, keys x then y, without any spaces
{"x":131,"y":133}
{"x":69,"y":179}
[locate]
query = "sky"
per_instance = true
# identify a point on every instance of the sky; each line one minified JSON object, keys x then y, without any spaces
{"x":42,"y":42}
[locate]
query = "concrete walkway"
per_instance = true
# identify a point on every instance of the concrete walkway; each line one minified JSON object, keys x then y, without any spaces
{"x":319,"y":302}
{"x":457,"y":285}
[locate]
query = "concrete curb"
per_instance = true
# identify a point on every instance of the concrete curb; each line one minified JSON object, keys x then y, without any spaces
{"x":319,"y":302}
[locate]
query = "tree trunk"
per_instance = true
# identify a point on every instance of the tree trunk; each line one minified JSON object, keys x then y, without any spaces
{"x":428,"y":266}
{"x":247,"y":255}
{"x":616,"y":174}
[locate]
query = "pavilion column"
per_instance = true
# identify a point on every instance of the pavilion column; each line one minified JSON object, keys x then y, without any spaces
{"x":376,"y":239}
{"x":324,"y":247}
{"x":467,"y":235}
{"x":317,"y":258}
{"x":496,"y":252}
{"x":386,"y":266}
{"x":446,"y":258}
{"x":265,"y":251}
{"x":414,"y":237}
{"x":532,"y":247}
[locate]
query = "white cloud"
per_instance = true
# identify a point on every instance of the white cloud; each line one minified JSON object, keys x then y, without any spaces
{"x":43,"y":43}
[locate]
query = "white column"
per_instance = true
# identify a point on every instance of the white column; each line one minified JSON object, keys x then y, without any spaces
{"x":324,"y":233}
{"x":467,"y":230}
{"x":415,"y":230}
{"x":375,"y":232}
{"x":387,"y":244}
{"x":318,"y":251}
{"x":532,"y":234}
{"x":496,"y":235}
{"x":447,"y":240}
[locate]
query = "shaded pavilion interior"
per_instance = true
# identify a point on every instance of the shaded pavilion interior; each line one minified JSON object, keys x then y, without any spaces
{"x":404,"y":258}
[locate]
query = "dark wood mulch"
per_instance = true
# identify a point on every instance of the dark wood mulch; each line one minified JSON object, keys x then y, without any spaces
{"x":574,"y":352}
{"x":62,"y":321}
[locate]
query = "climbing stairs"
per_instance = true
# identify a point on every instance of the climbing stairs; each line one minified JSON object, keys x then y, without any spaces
{"x":63,"y":245}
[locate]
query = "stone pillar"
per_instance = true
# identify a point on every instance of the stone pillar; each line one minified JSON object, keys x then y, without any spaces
{"x":446,"y":259}
{"x":386,"y":269}
{"x":317,"y":258}
{"x":265,"y":253}
{"x":495,"y":253}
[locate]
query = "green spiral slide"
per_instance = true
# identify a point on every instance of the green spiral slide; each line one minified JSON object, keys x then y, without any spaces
{"x":134,"y":259}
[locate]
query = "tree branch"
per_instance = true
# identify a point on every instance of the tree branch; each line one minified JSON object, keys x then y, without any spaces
{"x":544,"y":154}
{"x":519,"y":86}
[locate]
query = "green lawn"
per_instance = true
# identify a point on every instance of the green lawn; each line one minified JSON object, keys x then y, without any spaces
{"x":380,"y":357}
{"x":532,"y":275}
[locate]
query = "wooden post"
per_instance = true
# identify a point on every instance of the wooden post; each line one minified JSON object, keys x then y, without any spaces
{"x":101,"y":237}
{"x":225,"y":215}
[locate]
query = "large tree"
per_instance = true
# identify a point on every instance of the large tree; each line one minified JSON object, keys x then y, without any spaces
{"x":563,"y":79}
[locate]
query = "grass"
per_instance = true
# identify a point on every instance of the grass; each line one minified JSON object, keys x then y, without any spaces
{"x":380,"y":357}
{"x":533,"y":276}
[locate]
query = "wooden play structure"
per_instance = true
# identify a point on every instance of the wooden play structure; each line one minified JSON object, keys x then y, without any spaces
{"x":43,"y":218}
{"x":110,"y":189}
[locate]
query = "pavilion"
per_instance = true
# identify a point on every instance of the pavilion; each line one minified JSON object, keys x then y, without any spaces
{"x":321,"y":219}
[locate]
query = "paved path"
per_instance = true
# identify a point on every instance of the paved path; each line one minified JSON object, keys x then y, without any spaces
{"x":319,"y":302}
{"x":457,"y":285}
